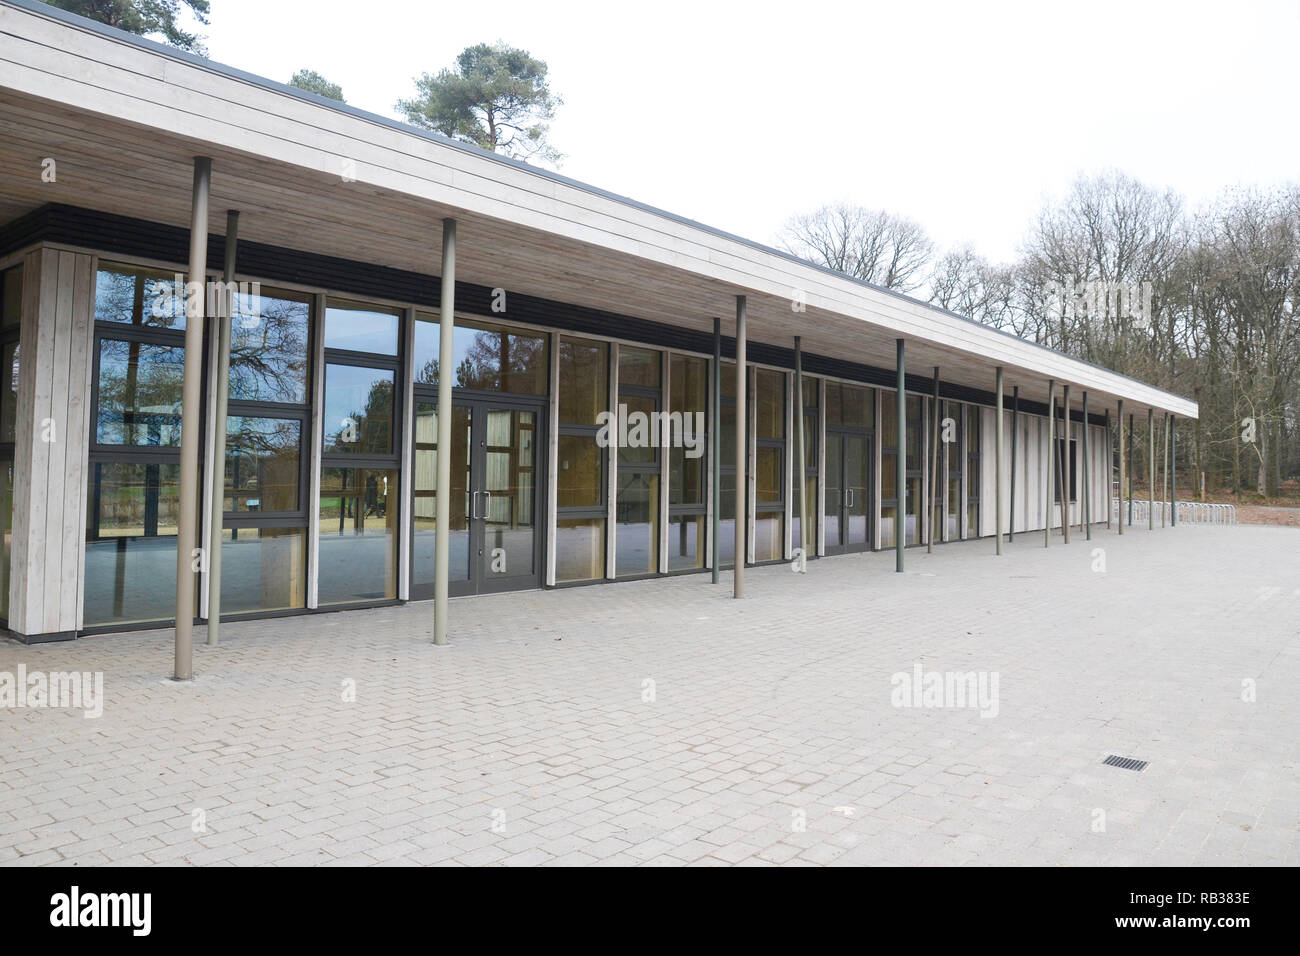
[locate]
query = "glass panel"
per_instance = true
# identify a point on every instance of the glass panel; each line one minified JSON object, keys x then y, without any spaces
{"x":769,"y":397}
{"x":810,"y":544}
{"x":859,"y":407}
{"x":685,"y":542}
{"x":358,"y":410}
{"x":581,"y":483}
{"x":139,"y":394}
{"x":811,"y":458}
{"x":579,"y":549}
{"x":888,"y":418}
{"x":11,"y":297}
{"x":488,"y":357}
{"x":268,"y":349}
{"x":636,"y":537}
{"x":689,"y":398}
{"x":507,"y":507}
{"x":912,"y":507}
{"x":835,"y":495}
{"x":727,"y":520}
{"x":6,"y":530}
{"x":768,"y":542}
{"x":855,"y":470}
{"x":425,"y":492}
{"x":914,"y":421}
{"x":9,"y":361}
{"x":638,"y":367}
{"x":130,"y":543}
{"x":640,"y":447}
{"x":262,"y":464}
{"x":769,"y":479}
{"x":358,"y":535}
{"x":809,"y":392}
{"x":358,"y":329}
{"x":685,"y":477}
{"x":584,"y":381}
{"x":834,"y":404}
{"x":888,"y":477}
{"x":139,"y":297}
{"x":263,"y":569}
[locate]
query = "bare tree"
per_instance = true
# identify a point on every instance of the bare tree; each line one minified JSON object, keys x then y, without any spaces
{"x":868,"y":244}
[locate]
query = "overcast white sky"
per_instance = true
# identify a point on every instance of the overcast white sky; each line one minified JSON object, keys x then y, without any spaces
{"x":963,"y":116}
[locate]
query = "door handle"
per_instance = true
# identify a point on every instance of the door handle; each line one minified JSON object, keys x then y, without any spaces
{"x":473,"y":502}
{"x":487,"y":503}
{"x":848,"y":494}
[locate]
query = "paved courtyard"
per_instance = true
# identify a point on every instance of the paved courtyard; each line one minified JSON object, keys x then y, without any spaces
{"x":660,"y":722}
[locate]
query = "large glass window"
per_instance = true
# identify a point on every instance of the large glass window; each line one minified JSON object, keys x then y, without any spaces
{"x":769,"y":464}
{"x":269,"y":349}
{"x":486,"y":357}
{"x":972,"y":471}
{"x":581,"y":477}
{"x":263,"y":569}
{"x":139,"y":393}
{"x":812,"y":464}
{"x":358,"y":506}
{"x":688,"y":391}
{"x":636,"y":538}
{"x":263,"y":464}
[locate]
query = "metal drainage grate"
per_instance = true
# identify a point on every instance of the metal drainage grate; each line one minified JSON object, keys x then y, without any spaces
{"x":1125,"y":763}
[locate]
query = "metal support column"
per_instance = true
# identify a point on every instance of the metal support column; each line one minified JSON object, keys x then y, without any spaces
{"x":1015,"y":433}
{"x":717,"y":442}
{"x":803,"y":461}
{"x":1151,"y":469}
{"x":1110,"y":466}
{"x":997,"y":464}
{"x":935,"y":509}
{"x":1119,"y":421}
{"x":1131,"y":434}
{"x":218,"y":464}
{"x":1173,"y":474}
{"x":901,"y":472}
{"x":1049,"y":461}
{"x":1066,"y":474}
{"x":1087,"y":474}
{"x":191,"y":424}
{"x":442,"y":501}
{"x":742,"y":452}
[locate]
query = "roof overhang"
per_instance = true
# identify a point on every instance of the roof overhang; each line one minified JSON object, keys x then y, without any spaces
{"x":123,"y":118}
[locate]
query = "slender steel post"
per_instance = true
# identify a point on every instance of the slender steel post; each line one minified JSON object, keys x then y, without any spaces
{"x":998,"y":464}
{"x":1173,"y":474}
{"x":1151,"y":469}
{"x":901,"y":471}
{"x":742,"y":451}
{"x":1049,"y":461}
{"x":1131,"y":442}
{"x":1120,"y":422}
{"x":803,"y":461}
{"x":1164,"y":466}
{"x":1110,"y":466}
{"x":717,"y":442}
{"x":1015,"y":432}
{"x":218,"y":463}
{"x":1066,"y":475}
{"x":1086,"y":510}
{"x":442,"y":501}
{"x":935,"y":510}
{"x":188,"y":504}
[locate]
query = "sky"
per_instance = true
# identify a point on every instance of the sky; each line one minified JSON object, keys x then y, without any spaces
{"x":966,"y":117}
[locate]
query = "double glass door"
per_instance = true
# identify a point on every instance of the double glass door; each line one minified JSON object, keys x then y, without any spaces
{"x":494,"y":539}
{"x":848,"y":491}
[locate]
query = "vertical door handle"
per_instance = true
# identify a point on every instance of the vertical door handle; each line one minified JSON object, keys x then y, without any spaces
{"x":473,"y":505}
{"x":848,"y":497}
{"x":487,"y":503}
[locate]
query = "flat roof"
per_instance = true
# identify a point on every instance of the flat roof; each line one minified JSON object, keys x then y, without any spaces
{"x":577,"y":240}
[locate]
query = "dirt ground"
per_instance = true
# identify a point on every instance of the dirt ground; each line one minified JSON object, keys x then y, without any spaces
{"x":1262,"y":514}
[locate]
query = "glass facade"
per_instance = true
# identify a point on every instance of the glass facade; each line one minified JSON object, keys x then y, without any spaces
{"x":636,"y":535}
{"x":688,"y":401}
{"x":581,"y":484}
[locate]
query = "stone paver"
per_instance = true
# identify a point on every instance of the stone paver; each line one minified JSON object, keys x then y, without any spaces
{"x":770,"y":736}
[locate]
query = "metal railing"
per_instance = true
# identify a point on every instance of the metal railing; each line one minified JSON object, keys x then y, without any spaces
{"x":1189,"y":512}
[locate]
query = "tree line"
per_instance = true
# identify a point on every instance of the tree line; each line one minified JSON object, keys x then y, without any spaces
{"x":1199,"y":302}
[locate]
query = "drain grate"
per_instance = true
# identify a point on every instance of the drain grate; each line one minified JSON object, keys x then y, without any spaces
{"x":1125,"y":763}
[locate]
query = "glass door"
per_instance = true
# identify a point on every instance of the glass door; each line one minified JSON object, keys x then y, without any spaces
{"x":848,"y":492}
{"x":494,"y":545}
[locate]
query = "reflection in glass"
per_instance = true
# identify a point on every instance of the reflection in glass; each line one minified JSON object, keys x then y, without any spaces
{"x":768,"y":542}
{"x":130,"y":543}
{"x":584,"y":381}
{"x":426,"y":494}
{"x":685,"y":542}
{"x":358,"y":535}
{"x":358,"y":410}
{"x":638,"y":367}
{"x":507,"y":508}
{"x":263,"y":569}
{"x":486,"y":357}
{"x":139,"y":297}
{"x":9,"y":361}
{"x":579,"y":549}
{"x":636,"y":540}
{"x":581,"y":480}
{"x":139,"y":394}
{"x":262,"y":463}
{"x":361,"y":330}
{"x":268,"y":349}
{"x":6,"y":531}
{"x":769,"y":400}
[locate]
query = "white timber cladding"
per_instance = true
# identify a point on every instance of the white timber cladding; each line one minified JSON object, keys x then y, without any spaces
{"x":50,"y":443}
{"x":83,"y":69}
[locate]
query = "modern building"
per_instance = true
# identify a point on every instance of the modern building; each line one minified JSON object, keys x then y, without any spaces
{"x":120,"y":160}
